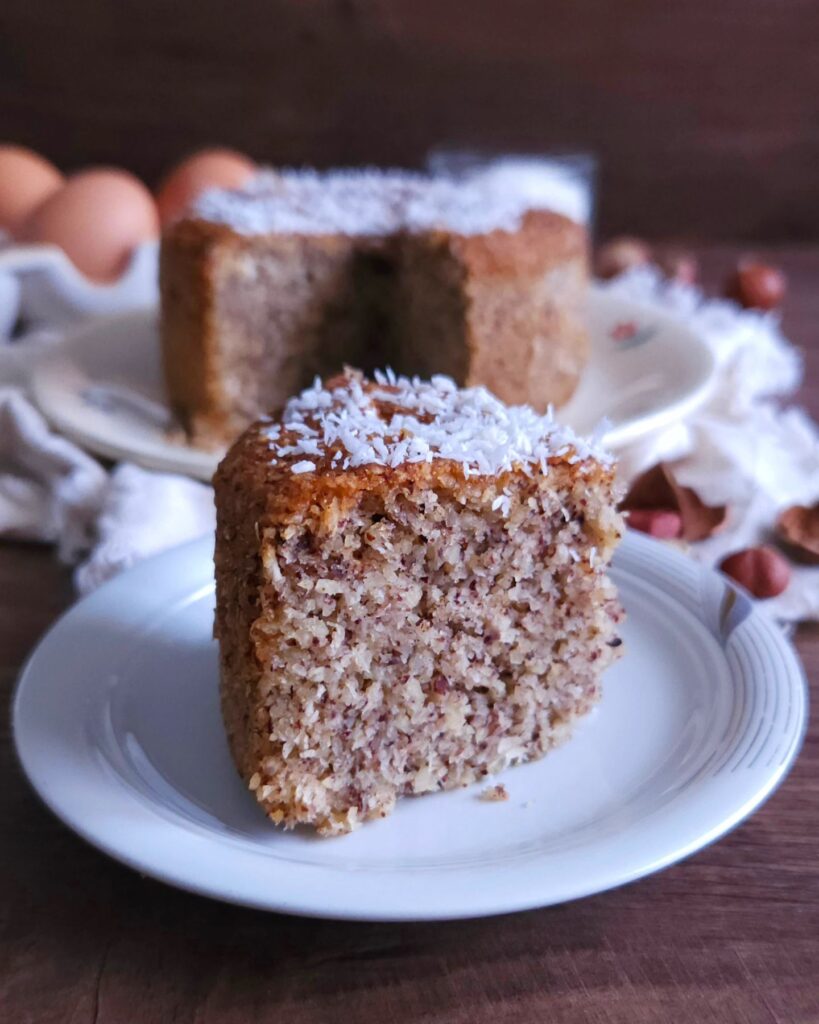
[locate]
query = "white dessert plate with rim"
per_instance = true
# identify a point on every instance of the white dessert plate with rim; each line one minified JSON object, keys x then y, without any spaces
{"x":102,"y":386}
{"x":117,"y":725}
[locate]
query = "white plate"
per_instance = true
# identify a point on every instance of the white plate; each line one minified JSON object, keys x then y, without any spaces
{"x":103,"y":386}
{"x":117,"y":725}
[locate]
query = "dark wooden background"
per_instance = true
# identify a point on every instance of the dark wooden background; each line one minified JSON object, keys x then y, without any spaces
{"x":704,"y":113}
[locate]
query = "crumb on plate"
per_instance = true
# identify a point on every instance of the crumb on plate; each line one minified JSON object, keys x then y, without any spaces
{"x":494,"y":794}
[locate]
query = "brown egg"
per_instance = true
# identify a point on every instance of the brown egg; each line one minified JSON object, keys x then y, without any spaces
{"x":26,"y":179}
{"x":210,"y":168}
{"x":98,"y":218}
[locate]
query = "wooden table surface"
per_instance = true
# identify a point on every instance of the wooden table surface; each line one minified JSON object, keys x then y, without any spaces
{"x":732,"y":934}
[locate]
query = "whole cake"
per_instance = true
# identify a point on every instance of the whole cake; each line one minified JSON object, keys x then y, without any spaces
{"x":411,"y":593}
{"x":300,"y":273}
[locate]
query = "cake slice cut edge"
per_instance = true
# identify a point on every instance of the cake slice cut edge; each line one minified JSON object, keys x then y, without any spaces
{"x":411,"y":594}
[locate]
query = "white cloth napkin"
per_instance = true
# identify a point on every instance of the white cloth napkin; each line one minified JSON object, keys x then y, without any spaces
{"x":741,"y":448}
{"x":50,"y":490}
{"x":141,"y":514}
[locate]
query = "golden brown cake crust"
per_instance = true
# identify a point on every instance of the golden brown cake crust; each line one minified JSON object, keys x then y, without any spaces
{"x":277,"y":495}
{"x":328,"y":489}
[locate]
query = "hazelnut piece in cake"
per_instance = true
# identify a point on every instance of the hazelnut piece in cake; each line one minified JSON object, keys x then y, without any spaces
{"x":411,"y":593}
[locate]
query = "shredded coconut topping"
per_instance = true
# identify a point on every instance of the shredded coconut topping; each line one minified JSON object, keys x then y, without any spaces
{"x":373,"y":202}
{"x":397,"y":420}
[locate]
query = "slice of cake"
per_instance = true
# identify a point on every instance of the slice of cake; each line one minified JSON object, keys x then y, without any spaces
{"x":411,"y":593}
{"x":300,"y":273}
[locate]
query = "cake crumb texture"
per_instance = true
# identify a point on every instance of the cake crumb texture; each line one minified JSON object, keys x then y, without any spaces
{"x":494,"y":794}
{"x":404,"y":625}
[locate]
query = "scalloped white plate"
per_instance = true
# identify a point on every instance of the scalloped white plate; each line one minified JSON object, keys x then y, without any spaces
{"x":103,"y":388}
{"x":117,"y":725}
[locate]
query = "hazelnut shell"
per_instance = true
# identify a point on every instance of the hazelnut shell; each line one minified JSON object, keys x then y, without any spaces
{"x":657,"y":489}
{"x":798,"y":528}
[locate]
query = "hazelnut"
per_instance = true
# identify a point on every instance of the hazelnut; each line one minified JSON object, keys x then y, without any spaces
{"x":620,"y":255}
{"x":678,"y":265}
{"x":762,"y":571}
{"x":440,"y":684}
{"x":662,"y":523}
{"x":756,"y":285}
{"x":798,"y":529}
